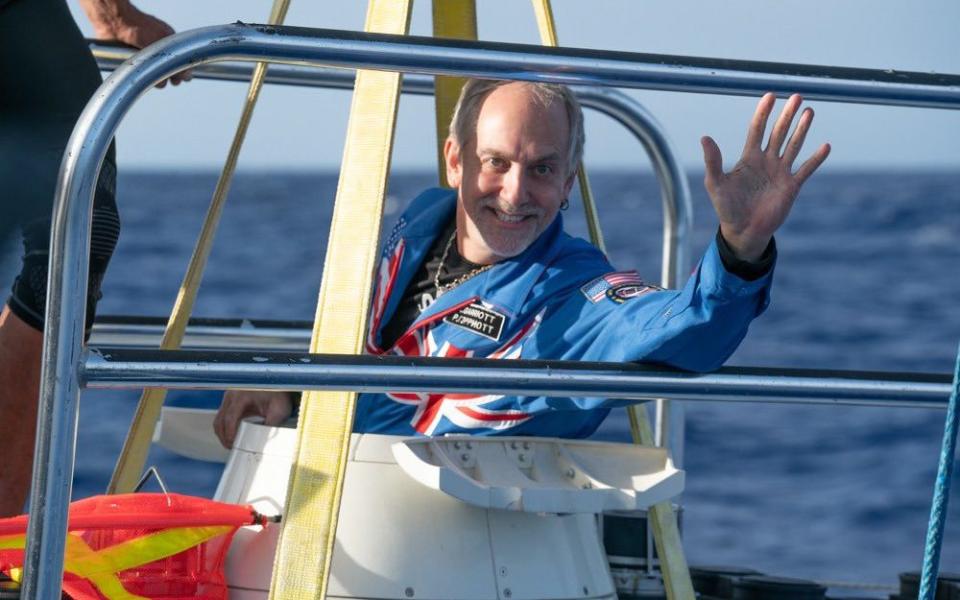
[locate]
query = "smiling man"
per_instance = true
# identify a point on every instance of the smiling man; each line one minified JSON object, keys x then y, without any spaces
{"x":486,"y":270}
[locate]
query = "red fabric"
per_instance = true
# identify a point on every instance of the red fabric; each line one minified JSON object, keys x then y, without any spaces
{"x":103,"y":521}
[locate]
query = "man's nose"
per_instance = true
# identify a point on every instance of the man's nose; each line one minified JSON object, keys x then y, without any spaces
{"x":514,"y":185}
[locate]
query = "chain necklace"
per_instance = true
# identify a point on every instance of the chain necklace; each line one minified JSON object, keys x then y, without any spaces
{"x":442,"y":289}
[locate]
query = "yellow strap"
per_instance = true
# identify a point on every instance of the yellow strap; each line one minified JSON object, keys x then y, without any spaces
{"x":548,"y":37}
{"x":305,"y":547}
{"x":102,"y":567}
{"x":452,"y":19}
{"x":133,"y":456}
{"x":666,"y":534}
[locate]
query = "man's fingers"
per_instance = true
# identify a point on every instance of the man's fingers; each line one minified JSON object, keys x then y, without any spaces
{"x":796,"y":140}
{"x":712,"y":161}
{"x":218,"y":427}
{"x":278,"y":409}
{"x":812,"y":163}
{"x":234,"y":407}
{"x":758,"y":125}
{"x":782,"y":126}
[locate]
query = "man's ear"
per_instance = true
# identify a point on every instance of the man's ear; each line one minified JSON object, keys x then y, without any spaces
{"x":451,"y":155}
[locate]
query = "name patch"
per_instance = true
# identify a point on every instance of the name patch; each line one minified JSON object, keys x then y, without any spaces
{"x":478,"y":319}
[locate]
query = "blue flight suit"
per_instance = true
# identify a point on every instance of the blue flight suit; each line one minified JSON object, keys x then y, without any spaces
{"x":560,"y":299}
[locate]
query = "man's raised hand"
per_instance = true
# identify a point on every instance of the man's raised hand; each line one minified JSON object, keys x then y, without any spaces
{"x":753,"y":200}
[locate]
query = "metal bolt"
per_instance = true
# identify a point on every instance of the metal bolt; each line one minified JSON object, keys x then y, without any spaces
{"x":521,"y":457}
{"x":513,"y":445}
{"x":507,"y":593}
{"x":408,"y":592}
{"x":469,"y":446}
{"x":526,"y":445}
{"x":571,"y":473}
{"x":465,"y":457}
{"x":503,"y":571}
{"x":456,"y":445}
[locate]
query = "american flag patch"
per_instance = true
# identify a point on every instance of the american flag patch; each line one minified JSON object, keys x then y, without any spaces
{"x":596,"y":290}
{"x":394,"y":236}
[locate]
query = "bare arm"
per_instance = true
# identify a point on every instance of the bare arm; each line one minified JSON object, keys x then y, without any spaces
{"x":753,"y":200}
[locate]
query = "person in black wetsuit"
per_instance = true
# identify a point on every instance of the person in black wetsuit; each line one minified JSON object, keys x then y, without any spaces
{"x":47,"y":75}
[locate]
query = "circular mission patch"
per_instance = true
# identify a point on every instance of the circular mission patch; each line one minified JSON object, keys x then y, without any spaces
{"x":622,"y":293}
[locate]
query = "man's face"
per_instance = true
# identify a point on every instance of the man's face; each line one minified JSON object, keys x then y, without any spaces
{"x":511,"y":177}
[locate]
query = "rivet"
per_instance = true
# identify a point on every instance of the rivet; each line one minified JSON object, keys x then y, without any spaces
{"x":503,"y":571}
{"x":408,"y":592}
{"x":586,"y":592}
{"x":513,"y":445}
{"x":456,"y":445}
{"x":570,"y":473}
{"x":465,"y":457}
{"x":526,"y":445}
{"x":469,"y":446}
{"x":521,"y":457}
{"x":507,"y":593}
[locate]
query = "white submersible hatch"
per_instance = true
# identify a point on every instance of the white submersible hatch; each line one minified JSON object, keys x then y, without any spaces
{"x":449,"y":518}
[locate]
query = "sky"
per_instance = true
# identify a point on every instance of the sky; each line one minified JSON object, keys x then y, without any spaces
{"x":191,"y":126}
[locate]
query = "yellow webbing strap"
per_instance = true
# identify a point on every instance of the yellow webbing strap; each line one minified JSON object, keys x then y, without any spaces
{"x":133,"y":456}
{"x":548,"y":37}
{"x":306,"y":543}
{"x":666,"y":535}
{"x":456,"y":19}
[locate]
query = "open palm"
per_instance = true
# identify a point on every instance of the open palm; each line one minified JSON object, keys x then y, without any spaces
{"x":753,"y":200}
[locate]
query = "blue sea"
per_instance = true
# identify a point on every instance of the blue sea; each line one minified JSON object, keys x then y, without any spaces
{"x":867,"y":279}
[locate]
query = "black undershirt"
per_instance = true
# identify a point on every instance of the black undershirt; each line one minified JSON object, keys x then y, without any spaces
{"x":422,"y":291}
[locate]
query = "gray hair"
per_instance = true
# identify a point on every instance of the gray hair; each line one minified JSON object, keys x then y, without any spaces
{"x":463,"y":125}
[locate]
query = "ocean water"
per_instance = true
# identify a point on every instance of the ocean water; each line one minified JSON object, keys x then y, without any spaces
{"x":867,"y":279}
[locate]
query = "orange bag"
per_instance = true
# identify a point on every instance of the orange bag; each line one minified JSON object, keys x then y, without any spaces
{"x":131,"y":546}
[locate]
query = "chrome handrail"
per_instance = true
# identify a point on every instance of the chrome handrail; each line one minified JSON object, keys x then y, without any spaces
{"x":115,"y":368}
{"x":63,"y":337}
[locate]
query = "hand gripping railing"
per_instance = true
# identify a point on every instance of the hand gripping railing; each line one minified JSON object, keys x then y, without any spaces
{"x":63,"y":337}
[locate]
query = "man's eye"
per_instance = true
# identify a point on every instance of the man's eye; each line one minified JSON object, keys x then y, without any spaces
{"x":543,"y":170}
{"x":496,"y":163}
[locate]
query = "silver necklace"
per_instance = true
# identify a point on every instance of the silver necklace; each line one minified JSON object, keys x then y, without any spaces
{"x":442,"y":289}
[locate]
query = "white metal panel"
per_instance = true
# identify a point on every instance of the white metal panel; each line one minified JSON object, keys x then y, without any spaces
{"x":548,"y":556}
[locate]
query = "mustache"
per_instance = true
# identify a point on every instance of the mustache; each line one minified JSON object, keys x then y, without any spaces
{"x":521,"y":211}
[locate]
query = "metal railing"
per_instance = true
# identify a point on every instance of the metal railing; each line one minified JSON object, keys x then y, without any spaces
{"x":214,"y":370}
{"x":64,"y":358}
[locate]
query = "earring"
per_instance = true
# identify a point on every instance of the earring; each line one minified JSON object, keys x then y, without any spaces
{"x":565,"y":204}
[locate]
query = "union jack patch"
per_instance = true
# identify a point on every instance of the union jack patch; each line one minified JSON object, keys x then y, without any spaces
{"x":596,"y":290}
